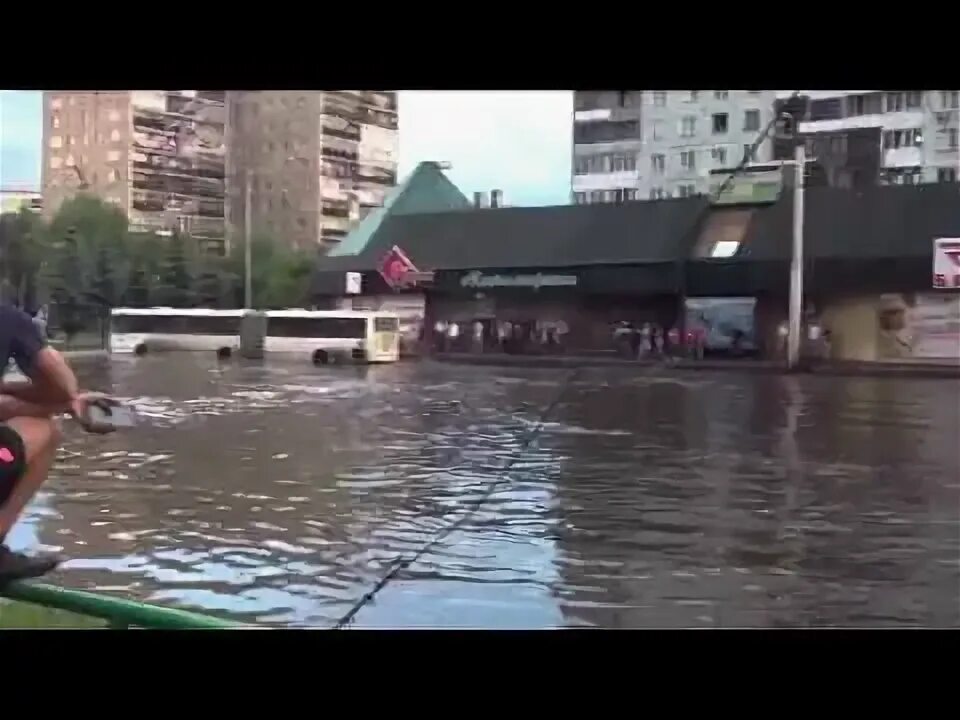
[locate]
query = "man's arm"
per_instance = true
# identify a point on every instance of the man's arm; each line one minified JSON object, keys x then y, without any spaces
{"x":11,"y":407}
{"x":52,"y":382}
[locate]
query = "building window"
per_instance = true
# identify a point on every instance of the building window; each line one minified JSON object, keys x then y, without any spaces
{"x":56,"y":103}
{"x":580,"y":166}
{"x":629,"y":194}
{"x":914,"y":99}
{"x":660,"y":98}
{"x":71,"y":140}
{"x":873,"y":104}
{"x":596,"y":196}
{"x":610,"y":195}
{"x":624,"y":163}
{"x":950,"y":99}
{"x":719,"y":155}
{"x":688,"y":159}
{"x":657,"y":129}
{"x":55,"y":162}
{"x":721,"y":94}
{"x":720,"y":123}
{"x":658,"y":193}
{"x":751,"y":120}
{"x":895,"y":102}
{"x":580,"y":198}
{"x":113,"y":155}
{"x":946,"y":174}
{"x":115,"y":135}
{"x":56,"y":141}
{"x":748,"y":152}
{"x":894,"y":139}
{"x":55,"y":122}
{"x":113,"y":176}
{"x":694,"y":96}
{"x":686,"y":191}
{"x":688,"y":126}
{"x":113,"y":116}
{"x":658,"y":162}
{"x":952,"y":132}
{"x":70,"y":161}
{"x":856,"y":105}
{"x":838,"y":145}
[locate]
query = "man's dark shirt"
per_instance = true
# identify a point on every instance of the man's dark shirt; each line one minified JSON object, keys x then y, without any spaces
{"x":20,"y":339}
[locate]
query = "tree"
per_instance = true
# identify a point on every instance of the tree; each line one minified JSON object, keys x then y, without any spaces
{"x":146,"y":257}
{"x":175,"y":288}
{"x":280,"y":275}
{"x":90,"y":254}
{"x":22,"y":237}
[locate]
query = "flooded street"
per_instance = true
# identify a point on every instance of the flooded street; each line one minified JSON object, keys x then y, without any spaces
{"x":282,"y":493}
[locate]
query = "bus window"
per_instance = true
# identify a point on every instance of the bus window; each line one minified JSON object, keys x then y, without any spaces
{"x":386,"y":324}
{"x":175,"y":324}
{"x":317,"y":327}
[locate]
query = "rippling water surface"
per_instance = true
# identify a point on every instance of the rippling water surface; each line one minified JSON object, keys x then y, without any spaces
{"x":280,"y":494}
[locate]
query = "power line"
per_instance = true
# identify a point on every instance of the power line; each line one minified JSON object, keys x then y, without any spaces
{"x":403,"y":562}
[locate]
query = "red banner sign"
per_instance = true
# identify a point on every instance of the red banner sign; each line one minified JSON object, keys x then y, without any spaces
{"x":395,"y":266}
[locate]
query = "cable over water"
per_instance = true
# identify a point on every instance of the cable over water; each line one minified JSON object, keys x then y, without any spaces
{"x":403,"y":562}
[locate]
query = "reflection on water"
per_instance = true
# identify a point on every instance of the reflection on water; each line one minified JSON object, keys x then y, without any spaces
{"x":281,"y":494}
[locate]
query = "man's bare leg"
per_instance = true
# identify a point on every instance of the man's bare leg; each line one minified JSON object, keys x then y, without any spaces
{"x":40,"y":436}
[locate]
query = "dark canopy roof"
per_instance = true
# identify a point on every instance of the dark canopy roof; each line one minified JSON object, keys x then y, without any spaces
{"x":885,"y":222}
{"x":893,"y":221}
{"x":519,"y":237}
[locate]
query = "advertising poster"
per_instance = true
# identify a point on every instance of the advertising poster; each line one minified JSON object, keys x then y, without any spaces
{"x":728,"y":323}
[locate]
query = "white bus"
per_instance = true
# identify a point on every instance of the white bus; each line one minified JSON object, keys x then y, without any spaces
{"x":334,"y":335}
{"x":141,"y":330}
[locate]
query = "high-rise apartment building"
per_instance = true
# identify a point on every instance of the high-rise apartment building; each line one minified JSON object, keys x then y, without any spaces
{"x":157,"y":155}
{"x":862,"y":137}
{"x":652,"y":144}
{"x":312,"y":163}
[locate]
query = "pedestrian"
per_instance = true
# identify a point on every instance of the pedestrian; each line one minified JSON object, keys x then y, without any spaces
{"x":453,"y":332}
{"x":477,"y":336}
{"x":673,"y":341}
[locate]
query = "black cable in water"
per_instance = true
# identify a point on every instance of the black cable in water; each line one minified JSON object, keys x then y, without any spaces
{"x":402,"y":563}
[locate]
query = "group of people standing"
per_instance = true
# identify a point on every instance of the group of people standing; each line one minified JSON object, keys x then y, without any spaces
{"x":651,"y":341}
{"x":503,"y":336}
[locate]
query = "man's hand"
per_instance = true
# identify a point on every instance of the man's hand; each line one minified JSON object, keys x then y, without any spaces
{"x":80,"y":410}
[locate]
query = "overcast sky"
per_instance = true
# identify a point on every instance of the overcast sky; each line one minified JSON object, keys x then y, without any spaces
{"x":517,"y":141}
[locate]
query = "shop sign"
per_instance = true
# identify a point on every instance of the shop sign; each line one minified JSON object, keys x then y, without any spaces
{"x":534,"y":281}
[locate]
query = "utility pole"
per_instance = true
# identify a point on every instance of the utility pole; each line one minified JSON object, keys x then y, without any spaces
{"x":247,"y":250}
{"x":794,"y":337}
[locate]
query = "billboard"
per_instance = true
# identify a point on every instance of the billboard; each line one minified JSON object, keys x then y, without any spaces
{"x":946,"y":263}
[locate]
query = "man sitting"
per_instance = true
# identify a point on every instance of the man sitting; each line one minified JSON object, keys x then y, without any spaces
{"x":29,"y":432}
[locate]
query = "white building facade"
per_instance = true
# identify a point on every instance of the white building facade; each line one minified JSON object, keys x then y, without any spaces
{"x":653,"y":144}
{"x":918,"y":128}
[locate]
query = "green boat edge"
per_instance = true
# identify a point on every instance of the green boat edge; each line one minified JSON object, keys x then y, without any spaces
{"x":118,"y":613}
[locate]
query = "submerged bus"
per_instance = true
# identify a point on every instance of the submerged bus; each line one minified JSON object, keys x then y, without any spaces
{"x":327,"y":336}
{"x":142,"y":330}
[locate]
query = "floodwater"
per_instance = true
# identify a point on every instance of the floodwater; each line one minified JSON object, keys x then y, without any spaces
{"x":281,"y":494}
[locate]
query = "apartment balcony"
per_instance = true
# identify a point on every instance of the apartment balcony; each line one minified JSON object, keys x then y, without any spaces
{"x":903,"y":157}
{"x":902,"y":120}
{"x":606,"y":181}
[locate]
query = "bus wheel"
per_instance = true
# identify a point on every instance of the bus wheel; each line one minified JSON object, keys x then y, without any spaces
{"x":320,"y":357}
{"x":140,"y":349}
{"x":223,"y":353}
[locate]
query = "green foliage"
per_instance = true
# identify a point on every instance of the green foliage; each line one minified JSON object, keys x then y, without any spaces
{"x":22,"y":245}
{"x":280,"y":276}
{"x":87,"y":255}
